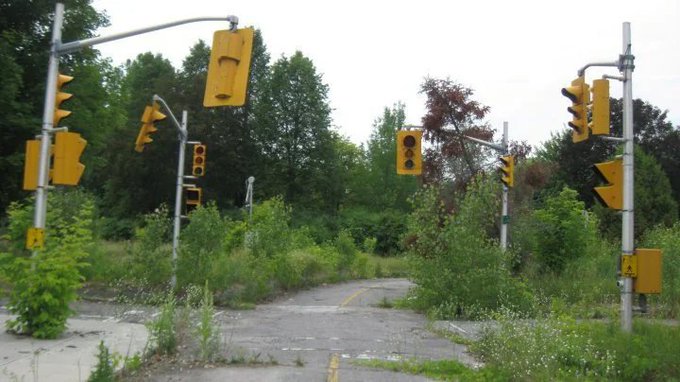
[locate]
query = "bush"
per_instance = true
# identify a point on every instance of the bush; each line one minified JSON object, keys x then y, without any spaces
{"x":45,"y":284}
{"x":202,"y":241}
{"x":104,"y":371}
{"x":207,"y":332}
{"x":458,"y":270}
{"x":151,"y":254}
{"x":559,"y":348}
{"x":162,"y":330}
{"x":564,"y":231}
{"x":269,"y":227}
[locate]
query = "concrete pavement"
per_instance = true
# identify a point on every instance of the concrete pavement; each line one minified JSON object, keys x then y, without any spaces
{"x":72,"y":356}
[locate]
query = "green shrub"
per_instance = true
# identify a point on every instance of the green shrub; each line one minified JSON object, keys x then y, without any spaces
{"x":45,"y":284}
{"x":104,"y":370}
{"x":240,"y":277}
{"x":560,"y":348}
{"x":346,"y":248}
{"x":207,"y":332}
{"x":269,"y":227}
{"x":151,"y":252}
{"x":457,"y":269}
{"x":202,"y":241}
{"x":362,"y":267}
{"x":564,"y":230}
{"x":162,"y":330}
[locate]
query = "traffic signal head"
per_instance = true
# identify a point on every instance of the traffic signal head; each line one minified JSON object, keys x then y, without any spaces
{"x":68,"y":147}
{"x":31,"y":164}
{"x":600,"y":107}
{"x":61,"y":97}
{"x":507,"y":170}
{"x":409,"y":152}
{"x":612,"y":173}
{"x":194,"y":195}
{"x":198,"y":168}
{"x":150,"y":116}
{"x":579,"y":94}
{"x":228,"y":68}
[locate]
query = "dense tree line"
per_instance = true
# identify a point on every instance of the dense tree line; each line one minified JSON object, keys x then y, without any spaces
{"x":283,"y":136}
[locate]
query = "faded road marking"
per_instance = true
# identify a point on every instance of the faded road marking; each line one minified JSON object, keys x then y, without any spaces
{"x":333,"y":368}
{"x":350,"y":298}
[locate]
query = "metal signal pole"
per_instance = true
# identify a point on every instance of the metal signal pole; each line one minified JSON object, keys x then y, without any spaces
{"x":628,"y":219}
{"x":503,"y":149}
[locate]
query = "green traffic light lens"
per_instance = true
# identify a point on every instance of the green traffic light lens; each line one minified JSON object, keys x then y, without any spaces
{"x":409,"y":164}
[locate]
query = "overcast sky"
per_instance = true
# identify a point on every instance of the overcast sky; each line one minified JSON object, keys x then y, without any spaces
{"x":516,"y":55}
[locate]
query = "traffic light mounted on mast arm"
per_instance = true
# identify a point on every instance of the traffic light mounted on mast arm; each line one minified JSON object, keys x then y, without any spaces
{"x":579,"y":94}
{"x":600,"y":107}
{"x":61,"y":97}
{"x":507,"y":170}
{"x":612,"y":194}
{"x":228,"y":68}
{"x":409,"y":152}
{"x":150,"y":116}
{"x":198,"y":168}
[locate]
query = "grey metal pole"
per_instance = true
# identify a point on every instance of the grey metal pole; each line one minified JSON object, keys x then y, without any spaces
{"x":504,"y":210}
{"x":627,"y":234}
{"x":183,"y":136}
{"x":40,"y":212}
{"x":249,"y":196}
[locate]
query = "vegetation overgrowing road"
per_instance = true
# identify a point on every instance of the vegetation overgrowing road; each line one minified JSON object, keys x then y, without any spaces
{"x":330,"y":220}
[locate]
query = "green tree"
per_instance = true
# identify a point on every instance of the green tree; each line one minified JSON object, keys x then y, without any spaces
{"x":564,"y":230}
{"x":232,"y":152}
{"x":386,"y":189}
{"x":294,"y":133}
{"x":139,"y":182}
{"x":25,"y":35}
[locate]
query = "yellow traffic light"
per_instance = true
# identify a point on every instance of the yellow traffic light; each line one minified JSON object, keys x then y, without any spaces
{"x":409,"y":152}
{"x":150,"y":116}
{"x":579,"y":94}
{"x":198,"y":168}
{"x":68,"y":147}
{"x":194,"y":195}
{"x":612,"y":173}
{"x":229,"y":67}
{"x":61,"y":97}
{"x":507,"y":170}
{"x":32,"y":164}
{"x":600,"y":107}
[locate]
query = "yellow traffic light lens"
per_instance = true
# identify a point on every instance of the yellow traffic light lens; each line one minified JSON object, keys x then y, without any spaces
{"x":409,"y":141}
{"x":409,"y":153}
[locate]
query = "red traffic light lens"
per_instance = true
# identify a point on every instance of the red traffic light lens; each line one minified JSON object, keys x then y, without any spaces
{"x":199,"y":149}
{"x":409,"y":141}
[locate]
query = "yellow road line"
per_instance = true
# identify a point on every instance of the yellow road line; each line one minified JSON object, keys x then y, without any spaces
{"x":350,"y":298}
{"x":333,"y":368}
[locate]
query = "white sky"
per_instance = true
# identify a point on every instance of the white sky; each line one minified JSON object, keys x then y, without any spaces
{"x":516,"y":55}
